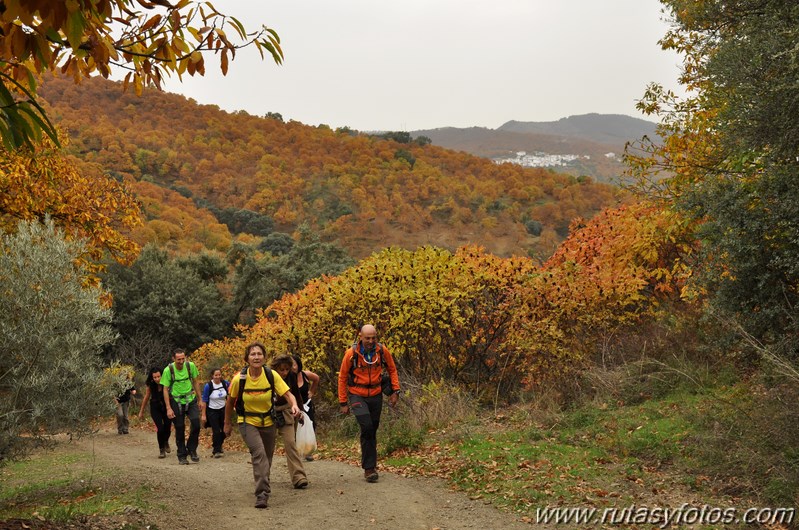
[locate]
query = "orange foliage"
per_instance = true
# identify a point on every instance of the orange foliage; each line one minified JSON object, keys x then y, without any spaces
{"x":78,"y":197}
{"x":176,"y":223}
{"x":478,"y":318}
{"x":610,"y":274}
{"x":351,"y":188}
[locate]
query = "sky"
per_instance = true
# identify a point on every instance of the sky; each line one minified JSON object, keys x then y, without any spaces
{"x":422,"y":64}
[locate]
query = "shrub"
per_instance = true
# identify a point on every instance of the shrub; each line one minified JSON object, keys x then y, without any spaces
{"x":52,"y":331}
{"x":750,"y":442}
{"x":398,"y":434}
{"x":533,"y":228}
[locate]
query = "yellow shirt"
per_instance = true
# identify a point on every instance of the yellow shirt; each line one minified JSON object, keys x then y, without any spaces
{"x":257,"y":396}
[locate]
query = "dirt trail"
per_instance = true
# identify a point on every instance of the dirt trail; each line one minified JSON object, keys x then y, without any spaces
{"x":220,"y":491}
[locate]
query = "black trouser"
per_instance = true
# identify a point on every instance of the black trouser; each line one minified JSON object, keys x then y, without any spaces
{"x":367,"y":412}
{"x":216,"y":419}
{"x":122,"y":417}
{"x":312,"y":414}
{"x":163,"y":425}
{"x":192,"y":410}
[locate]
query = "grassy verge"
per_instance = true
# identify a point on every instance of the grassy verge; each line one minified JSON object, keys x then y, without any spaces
{"x":63,"y":486}
{"x":601,"y":454}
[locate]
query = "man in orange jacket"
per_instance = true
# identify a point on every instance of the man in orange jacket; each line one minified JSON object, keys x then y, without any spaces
{"x":360,"y":391}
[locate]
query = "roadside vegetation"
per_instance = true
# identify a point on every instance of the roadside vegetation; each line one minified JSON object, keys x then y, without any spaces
{"x":65,"y":486}
{"x":677,"y":434}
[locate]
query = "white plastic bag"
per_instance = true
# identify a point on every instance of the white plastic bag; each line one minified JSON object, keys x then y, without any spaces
{"x":305,"y":438}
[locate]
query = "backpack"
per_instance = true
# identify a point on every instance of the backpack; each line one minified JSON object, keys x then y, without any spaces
{"x":172,"y":377}
{"x":238,"y":405}
{"x":210,"y":385}
{"x":385,"y":378}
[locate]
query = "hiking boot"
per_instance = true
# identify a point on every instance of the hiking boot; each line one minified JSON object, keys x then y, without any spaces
{"x":182,"y":460}
{"x":309,"y":458}
{"x":261,"y":500}
{"x":194,"y":456}
{"x":167,"y":448}
{"x":301,"y":484}
{"x":371,"y":475}
{"x":162,"y":454}
{"x":218,"y":455}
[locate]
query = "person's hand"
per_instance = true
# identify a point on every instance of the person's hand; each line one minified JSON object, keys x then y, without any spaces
{"x":170,"y":414}
{"x":141,"y":416}
{"x":133,"y":392}
{"x":392,"y":399}
{"x":295,"y":411}
{"x":345,"y":409}
{"x":227,"y":428}
{"x":203,"y":419}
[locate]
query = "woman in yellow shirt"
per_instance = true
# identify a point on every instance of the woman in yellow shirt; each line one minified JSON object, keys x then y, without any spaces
{"x":258,"y":387}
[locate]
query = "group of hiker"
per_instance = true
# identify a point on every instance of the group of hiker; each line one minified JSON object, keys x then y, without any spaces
{"x":268,"y":400}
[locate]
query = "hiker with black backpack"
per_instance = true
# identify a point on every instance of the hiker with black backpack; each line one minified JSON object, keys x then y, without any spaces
{"x":123,"y":402}
{"x":252,"y":395}
{"x":155,"y":396}
{"x":213,"y":410}
{"x":286,"y":426}
{"x":307,"y":388}
{"x":367,"y":372}
{"x":181,"y":391}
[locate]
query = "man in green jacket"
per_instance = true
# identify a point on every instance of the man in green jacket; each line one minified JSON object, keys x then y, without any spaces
{"x":181,"y":394}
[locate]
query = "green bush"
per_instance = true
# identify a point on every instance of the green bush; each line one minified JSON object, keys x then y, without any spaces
{"x":749,"y":440}
{"x":52,"y":331}
{"x":399,"y":434}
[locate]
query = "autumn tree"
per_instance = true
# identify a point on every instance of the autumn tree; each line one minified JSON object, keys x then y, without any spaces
{"x":615,"y":272}
{"x":148,"y":39}
{"x":442,"y":315}
{"x":82,"y":200}
{"x":730,"y":154}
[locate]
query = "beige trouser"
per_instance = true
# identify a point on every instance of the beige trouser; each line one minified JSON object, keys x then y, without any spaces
{"x":296,"y":469}
{"x":287,"y":433}
{"x":261,"y":442}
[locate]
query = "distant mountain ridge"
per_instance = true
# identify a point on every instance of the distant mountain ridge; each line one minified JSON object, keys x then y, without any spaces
{"x":597,"y":139}
{"x":612,"y":129}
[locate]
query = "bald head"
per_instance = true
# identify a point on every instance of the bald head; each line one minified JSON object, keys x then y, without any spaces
{"x":369,"y":336}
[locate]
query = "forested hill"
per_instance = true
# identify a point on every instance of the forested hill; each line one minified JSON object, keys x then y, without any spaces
{"x":597,"y":140}
{"x":202,"y":173}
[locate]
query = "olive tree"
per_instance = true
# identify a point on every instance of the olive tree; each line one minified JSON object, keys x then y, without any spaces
{"x":52,"y":331}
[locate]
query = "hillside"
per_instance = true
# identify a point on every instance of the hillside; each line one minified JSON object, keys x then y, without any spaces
{"x":591,"y":137}
{"x":361,"y":191}
{"x":609,"y":129}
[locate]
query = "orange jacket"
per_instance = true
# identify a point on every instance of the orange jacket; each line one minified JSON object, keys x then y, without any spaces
{"x":366,"y":376}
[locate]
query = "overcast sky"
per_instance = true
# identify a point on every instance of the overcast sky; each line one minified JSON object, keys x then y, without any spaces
{"x":421,"y":64}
